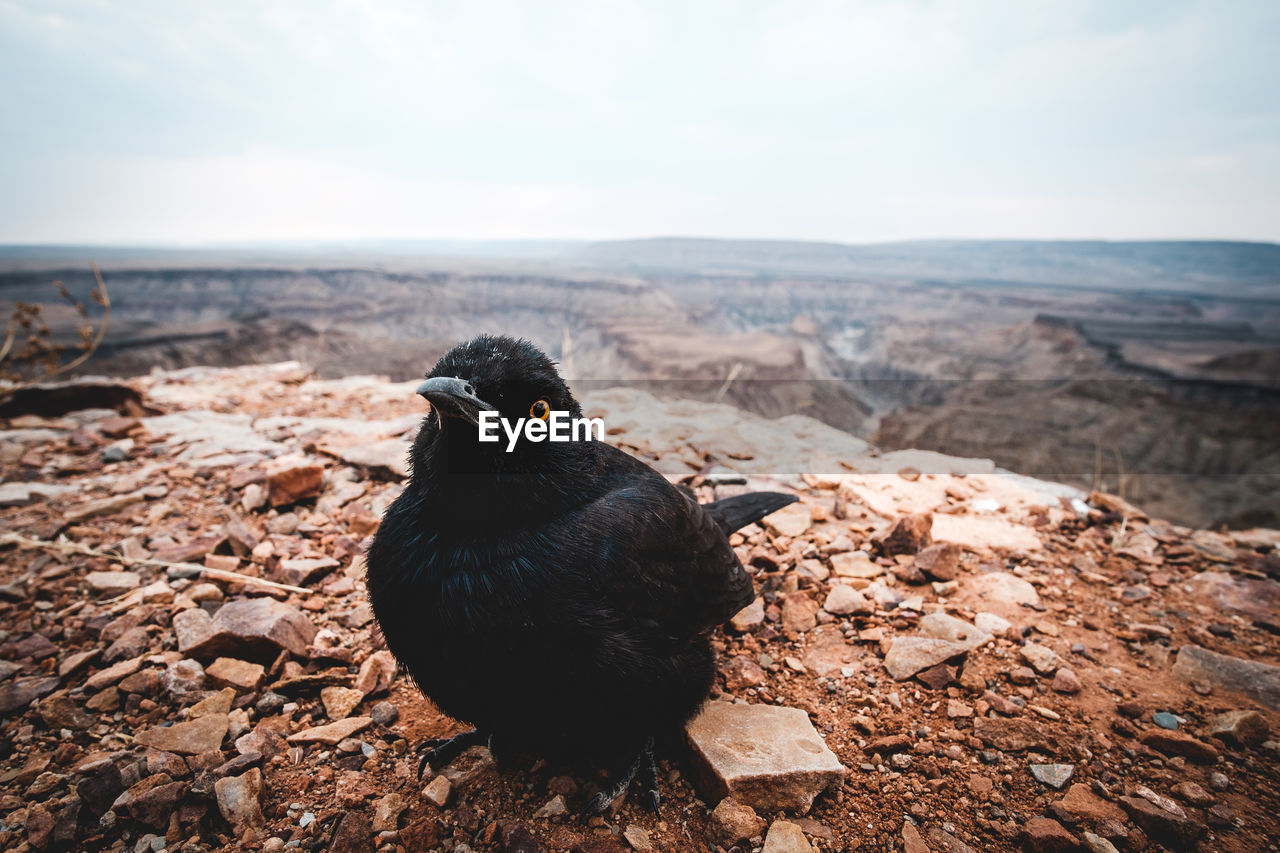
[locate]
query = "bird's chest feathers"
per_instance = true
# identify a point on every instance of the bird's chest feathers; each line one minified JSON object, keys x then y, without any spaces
{"x":463,"y":589}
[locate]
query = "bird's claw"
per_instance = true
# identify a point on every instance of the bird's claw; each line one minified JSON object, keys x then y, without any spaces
{"x":600,"y":803}
{"x":440,"y":751}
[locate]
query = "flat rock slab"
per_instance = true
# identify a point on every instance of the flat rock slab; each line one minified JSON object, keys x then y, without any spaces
{"x":1013,"y":735}
{"x":943,"y":627}
{"x":246,"y":627}
{"x":763,"y":756}
{"x":23,"y":691}
{"x":387,"y":455}
{"x":1258,"y":681}
{"x":792,"y":520}
{"x":203,"y":734}
{"x":1257,"y":599}
{"x":909,"y":655}
{"x":240,"y":674}
{"x":332,"y":733}
{"x":1003,"y":592}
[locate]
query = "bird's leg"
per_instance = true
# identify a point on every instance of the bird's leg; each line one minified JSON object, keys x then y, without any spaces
{"x":441,"y":751}
{"x":643,"y":763}
{"x":648,"y":775}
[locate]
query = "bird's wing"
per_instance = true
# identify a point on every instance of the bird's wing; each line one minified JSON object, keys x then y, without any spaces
{"x":659,"y":556}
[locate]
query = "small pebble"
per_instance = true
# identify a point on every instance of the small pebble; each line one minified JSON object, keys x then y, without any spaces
{"x":384,"y":713}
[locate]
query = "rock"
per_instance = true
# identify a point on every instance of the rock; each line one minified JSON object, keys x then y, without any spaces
{"x":352,"y":834}
{"x":112,"y":583}
{"x":638,"y":838}
{"x":1053,"y":775}
{"x":331,"y":733}
{"x":218,"y":702}
{"x":765,"y":757}
{"x":908,"y":535}
{"x":105,"y":506}
{"x":422,"y":834}
{"x":472,"y":766}
{"x":909,"y":655}
{"x":1005,"y":590}
{"x":21,"y":494}
{"x":291,"y":485}
{"x":1000,"y":704}
{"x":940,"y":562}
{"x":829,"y":652}
{"x":202,"y":734}
{"x":250,"y":627}
{"x":814,"y":570}
{"x":855,"y":564}
{"x":516,"y":838}
{"x":59,"y":712}
{"x":1179,"y":743}
{"x":1045,"y":834}
{"x":1081,"y":805}
{"x":938,"y":677}
{"x":1178,"y":831}
{"x":382,"y":456}
{"x":339,"y":702}
{"x":1066,"y":681}
{"x":231,"y":672}
{"x":1165,"y":720}
{"x":386,"y":814}
{"x":376,"y":673}
{"x":741,"y":672}
{"x":912,"y":842}
{"x":240,"y":800}
{"x":943,"y":627}
{"x":1042,"y":658}
{"x":1258,"y":681}
{"x":734,"y":823}
{"x":40,"y":824}
{"x":1022,"y":675}
{"x":1190,"y":792}
{"x":791,"y":521}
{"x":1012,"y":734}
{"x":384,"y":714}
{"x":990,"y":623}
{"x":1258,"y":600}
{"x":21,"y":692}
{"x":1097,"y":844}
{"x":786,"y":837}
{"x":845,"y":600}
{"x":152,"y":800}
{"x":300,"y":571}
{"x":132,"y":643}
{"x":799,"y":613}
{"x":438,"y":790}
{"x":73,"y":662}
{"x":748,"y":618}
{"x":1240,"y":728}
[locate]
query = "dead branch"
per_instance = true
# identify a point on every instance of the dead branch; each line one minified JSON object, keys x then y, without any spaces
{"x":65,"y":546}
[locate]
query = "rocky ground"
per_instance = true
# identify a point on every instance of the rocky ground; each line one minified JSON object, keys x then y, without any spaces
{"x":973,"y":661}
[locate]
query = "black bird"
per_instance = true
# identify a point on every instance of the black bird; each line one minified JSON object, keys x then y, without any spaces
{"x":559,"y":597}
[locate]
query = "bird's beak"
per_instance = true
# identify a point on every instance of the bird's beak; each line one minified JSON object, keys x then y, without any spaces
{"x":455,"y":398}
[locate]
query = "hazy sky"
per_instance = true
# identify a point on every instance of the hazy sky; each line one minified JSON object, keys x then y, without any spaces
{"x":217,"y":121}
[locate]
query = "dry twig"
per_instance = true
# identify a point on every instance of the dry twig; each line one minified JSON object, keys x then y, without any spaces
{"x":65,"y":546}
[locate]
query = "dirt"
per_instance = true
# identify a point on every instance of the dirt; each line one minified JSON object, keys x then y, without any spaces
{"x":1117,"y":591}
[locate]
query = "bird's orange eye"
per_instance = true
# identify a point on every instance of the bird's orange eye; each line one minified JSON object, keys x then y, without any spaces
{"x":540,"y":410}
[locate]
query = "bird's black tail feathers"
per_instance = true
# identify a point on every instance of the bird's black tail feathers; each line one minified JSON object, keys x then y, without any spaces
{"x":737,"y":512}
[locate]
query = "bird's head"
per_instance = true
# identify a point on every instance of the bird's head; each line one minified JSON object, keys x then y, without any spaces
{"x":490,"y":373}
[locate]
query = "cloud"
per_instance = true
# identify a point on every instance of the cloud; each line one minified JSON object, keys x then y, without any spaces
{"x":833,"y":120}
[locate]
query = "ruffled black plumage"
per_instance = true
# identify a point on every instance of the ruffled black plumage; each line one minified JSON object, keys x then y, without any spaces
{"x":561,"y":596}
